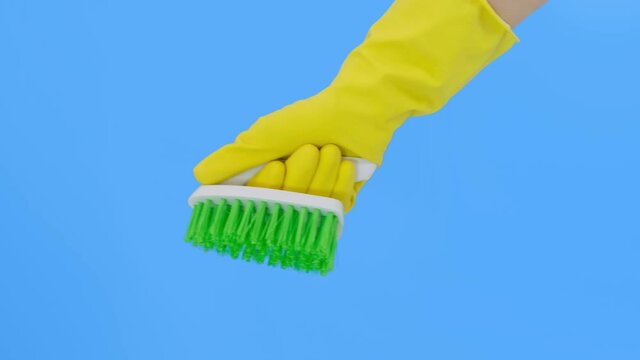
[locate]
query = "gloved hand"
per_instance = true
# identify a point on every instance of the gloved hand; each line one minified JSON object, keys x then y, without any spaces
{"x":418,"y":55}
{"x":313,"y":171}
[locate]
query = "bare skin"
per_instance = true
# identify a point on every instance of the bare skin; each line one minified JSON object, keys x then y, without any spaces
{"x":514,"y":11}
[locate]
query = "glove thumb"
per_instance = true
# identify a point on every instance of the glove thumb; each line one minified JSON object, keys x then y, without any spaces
{"x":231,"y":160}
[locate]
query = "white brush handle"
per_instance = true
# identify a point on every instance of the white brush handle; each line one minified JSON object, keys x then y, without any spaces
{"x":217,"y":193}
{"x":364,"y":171}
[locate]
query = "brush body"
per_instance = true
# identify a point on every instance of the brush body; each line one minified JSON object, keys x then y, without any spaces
{"x":277,"y":227}
{"x":281,"y":228}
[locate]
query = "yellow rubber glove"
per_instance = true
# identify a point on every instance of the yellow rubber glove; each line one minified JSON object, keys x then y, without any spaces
{"x":418,"y":55}
{"x":314,"y":171}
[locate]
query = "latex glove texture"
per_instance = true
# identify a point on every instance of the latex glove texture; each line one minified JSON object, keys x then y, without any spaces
{"x":418,"y":55}
{"x":313,"y":171}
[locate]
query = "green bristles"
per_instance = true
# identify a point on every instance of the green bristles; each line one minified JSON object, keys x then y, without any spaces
{"x":303,"y":239}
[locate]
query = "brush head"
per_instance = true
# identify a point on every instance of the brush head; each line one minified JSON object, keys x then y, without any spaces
{"x":281,"y":228}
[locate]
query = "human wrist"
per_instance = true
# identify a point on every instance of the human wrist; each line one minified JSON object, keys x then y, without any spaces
{"x":514,"y":11}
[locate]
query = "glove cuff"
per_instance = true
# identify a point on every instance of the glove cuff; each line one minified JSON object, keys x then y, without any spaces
{"x":417,"y":56}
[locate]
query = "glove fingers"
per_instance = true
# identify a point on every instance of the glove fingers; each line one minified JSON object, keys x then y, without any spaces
{"x":308,"y":170}
{"x":327,"y":171}
{"x":301,"y":166}
{"x":343,"y":189}
{"x":270,"y":176}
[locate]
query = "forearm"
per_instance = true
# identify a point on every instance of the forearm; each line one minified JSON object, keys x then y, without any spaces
{"x":514,"y":11}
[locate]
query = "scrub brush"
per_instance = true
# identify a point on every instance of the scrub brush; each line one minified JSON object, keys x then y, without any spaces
{"x":281,"y":228}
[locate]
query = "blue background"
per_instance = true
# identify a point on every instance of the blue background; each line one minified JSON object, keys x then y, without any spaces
{"x":504,"y":227}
